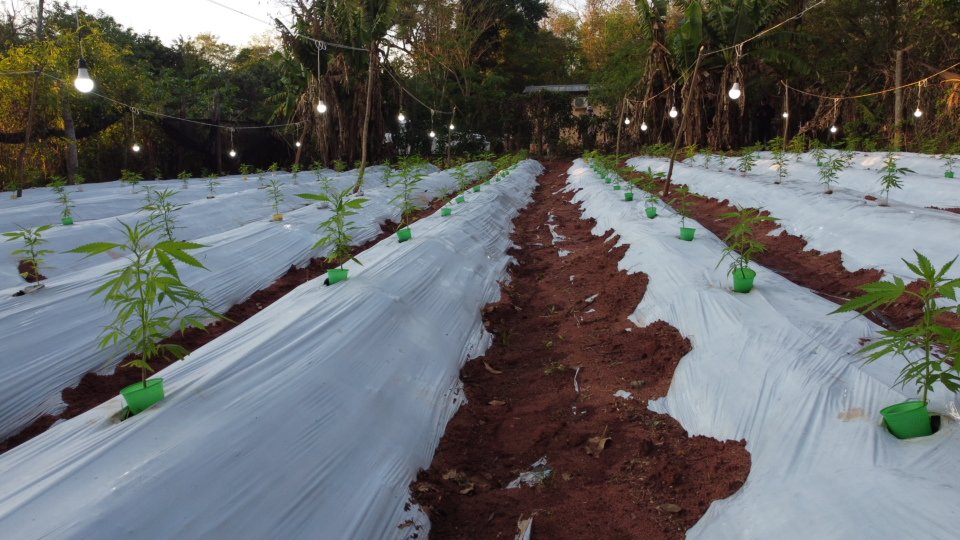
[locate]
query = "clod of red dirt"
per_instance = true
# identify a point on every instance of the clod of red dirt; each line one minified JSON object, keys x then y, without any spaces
{"x":563,"y":347}
{"x":95,"y":389}
{"x":869,"y":197}
{"x":29,"y":271}
{"x":954,"y":210}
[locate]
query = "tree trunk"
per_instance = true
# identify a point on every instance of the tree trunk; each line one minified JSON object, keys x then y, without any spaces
{"x":366,"y":115}
{"x":218,"y":146}
{"x":898,"y":101}
{"x":69,"y":129}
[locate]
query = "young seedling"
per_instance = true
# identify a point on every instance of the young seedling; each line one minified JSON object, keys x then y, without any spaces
{"x":411,"y":173}
{"x":162,"y":211}
{"x":336,"y":229}
{"x":681,"y":204}
{"x":948,"y":163}
{"x":339,"y":166}
{"x":707,"y":158}
{"x":295,"y":171}
{"x":275,"y":192}
{"x":722,"y":158}
{"x":274,"y":167}
{"x":936,"y":294}
{"x":212,"y":183}
{"x":130,"y":177}
{"x":33,"y":255}
{"x":747,"y":161}
{"x":245,"y":170}
{"x":261,"y":182}
{"x":798,"y":145}
{"x":147,"y":296}
{"x":890,"y":179}
{"x":63,"y":199}
{"x":829,"y":172}
{"x":780,"y":162}
{"x":741,"y":247}
{"x":462,"y":175}
{"x":183,"y":177}
{"x":817,"y":152}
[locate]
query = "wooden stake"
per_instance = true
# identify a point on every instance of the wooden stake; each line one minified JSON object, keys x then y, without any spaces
{"x":683,"y":119}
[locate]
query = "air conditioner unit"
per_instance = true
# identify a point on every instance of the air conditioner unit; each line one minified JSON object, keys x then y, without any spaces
{"x":580,"y":103}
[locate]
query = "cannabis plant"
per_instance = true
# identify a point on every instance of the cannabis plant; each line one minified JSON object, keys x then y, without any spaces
{"x":162,"y":212}
{"x":890,"y":178}
{"x":829,"y":172}
{"x":741,"y":247}
{"x":948,"y":162}
{"x":462,"y":175}
{"x":275,"y":193}
{"x":747,"y":161}
{"x":780,"y":161}
{"x":681,"y":203}
{"x":938,"y":344}
{"x":130,"y":177}
{"x":31,"y":251}
{"x":147,"y":296}
{"x":183,"y":177}
{"x":273,"y":168}
{"x":295,"y":171}
{"x":245,"y":170}
{"x":411,"y":173}
{"x":707,"y":158}
{"x":58,"y":185}
{"x":212,"y":183}
{"x":336,"y":229}
{"x":818,"y":152}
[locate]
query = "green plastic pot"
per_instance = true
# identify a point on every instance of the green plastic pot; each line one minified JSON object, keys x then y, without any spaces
{"x":404,"y":234}
{"x":651,"y":212}
{"x":140,"y":397}
{"x":476,"y":189}
{"x":686,"y":233}
{"x":67,"y":221}
{"x":743,"y":280}
{"x":607,"y":180}
{"x":336,"y":275}
{"x":948,"y":174}
{"x":907,"y":420}
{"x":616,"y":187}
{"x":461,"y":199}
{"x":445,"y":212}
{"x":628,"y":196}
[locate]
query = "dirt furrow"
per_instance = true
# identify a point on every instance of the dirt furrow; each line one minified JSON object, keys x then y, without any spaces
{"x":545,"y":389}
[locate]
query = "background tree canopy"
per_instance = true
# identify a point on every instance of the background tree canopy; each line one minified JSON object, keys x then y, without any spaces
{"x":472,"y":59}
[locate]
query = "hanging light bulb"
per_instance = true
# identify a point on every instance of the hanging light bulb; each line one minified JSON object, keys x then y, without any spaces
{"x":918,"y":113}
{"x":451,"y":127}
{"x":626,"y":121}
{"x":785,"y":114}
{"x":136,"y":147}
{"x":401,"y":118}
{"x":643,"y":126}
{"x":321,"y":107}
{"x":233,"y":153}
{"x":432,"y":134}
{"x":298,"y":144}
{"x":673,"y":112}
{"x":83,"y":83}
{"x":734,"y":92}
{"x":833,"y":129}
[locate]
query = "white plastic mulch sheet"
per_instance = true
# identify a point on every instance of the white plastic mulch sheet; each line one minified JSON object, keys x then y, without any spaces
{"x":49,"y":338}
{"x":309,"y":420}
{"x":772,"y":367}
{"x":867,"y":235}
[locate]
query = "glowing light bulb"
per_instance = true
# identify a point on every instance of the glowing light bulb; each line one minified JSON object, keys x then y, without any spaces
{"x":298,"y":144}
{"x":451,"y":127}
{"x":643,"y":126}
{"x":833,"y":129}
{"x":734,"y":92}
{"x":918,"y":113}
{"x":432,"y":134}
{"x":673,"y":112}
{"x":136,"y":147}
{"x":83,"y":83}
{"x":233,"y":153}
{"x":785,"y":114}
{"x":401,"y":118}
{"x":626,"y":121}
{"x":321,"y":107}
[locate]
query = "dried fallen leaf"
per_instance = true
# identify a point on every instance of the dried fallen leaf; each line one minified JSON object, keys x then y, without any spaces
{"x":597,"y":444}
{"x":452,"y":474}
{"x":566,"y":476}
{"x":670,"y":507}
{"x":497,"y":403}
{"x":467,"y":489}
{"x":490,"y":369}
